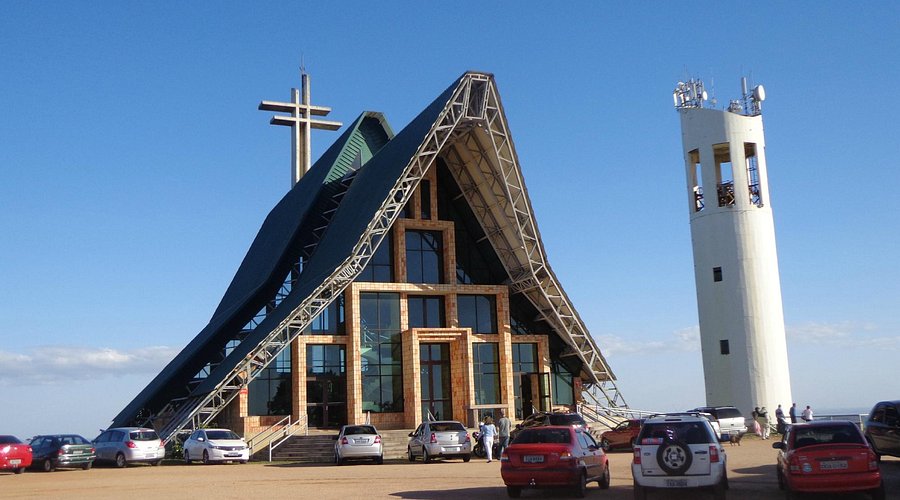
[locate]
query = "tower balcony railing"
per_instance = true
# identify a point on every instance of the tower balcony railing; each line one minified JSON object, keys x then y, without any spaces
{"x":725,"y":190}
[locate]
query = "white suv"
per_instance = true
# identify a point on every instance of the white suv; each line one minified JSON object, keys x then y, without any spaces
{"x":678,"y":451}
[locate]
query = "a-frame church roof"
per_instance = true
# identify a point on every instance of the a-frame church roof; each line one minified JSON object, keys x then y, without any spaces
{"x":321,"y":235}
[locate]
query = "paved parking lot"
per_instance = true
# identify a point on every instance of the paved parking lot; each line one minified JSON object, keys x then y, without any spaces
{"x":750,"y":470}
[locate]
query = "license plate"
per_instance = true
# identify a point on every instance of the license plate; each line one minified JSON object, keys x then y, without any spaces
{"x":361,"y":441}
{"x":232,"y":455}
{"x":451,"y":448}
{"x":150,"y":455}
{"x":676,"y":483}
{"x":833,"y":465}
{"x":533,"y":459}
{"x":15,"y":461}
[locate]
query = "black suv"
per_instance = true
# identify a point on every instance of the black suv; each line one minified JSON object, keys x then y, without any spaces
{"x":883,"y":428}
{"x":542,"y":418}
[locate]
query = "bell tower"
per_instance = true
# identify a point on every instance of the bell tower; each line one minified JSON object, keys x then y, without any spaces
{"x":745,"y":360}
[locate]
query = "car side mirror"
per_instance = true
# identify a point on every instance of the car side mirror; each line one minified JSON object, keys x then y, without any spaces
{"x":593,"y":447}
{"x":411,"y":434}
{"x":201,"y":439}
{"x":518,"y":427}
{"x":779,"y":445}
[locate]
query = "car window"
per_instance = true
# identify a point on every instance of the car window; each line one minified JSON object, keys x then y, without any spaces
{"x":542,"y":435}
{"x":689,"y":432}
{"x":37,"y":442}
{"x":143,"y":435}
{"x":447,"y":427}
{"x":822,"y":434}
{"x":214,"y":435}
{"x":728,"y":413}
{"x":359,"y":429}
{"x":116,"y":436}
{"x":891,"y":417}
{"x":566,"y":419}
{"x":9,"y":440}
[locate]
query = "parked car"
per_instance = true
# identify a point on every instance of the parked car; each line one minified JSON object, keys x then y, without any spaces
{"x":544,"y":418}
{"x":622,"y":435}
{"x":552,"y":457}
{"x":356,"y":442}
{"x":14,"y":454}
{"x":827,"y":456}
{"x":125,"y":445}
{"x":883,"y":429}
{"x":730,"y":420}
{"x":215,"y":445}
{"x":444,"y":438}
{"x":61,"y":450}
{"x":678,"y":451}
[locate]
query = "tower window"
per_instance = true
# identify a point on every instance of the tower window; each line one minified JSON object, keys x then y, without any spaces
{"x":724,"y":175}
{"x":717,"y":274}
{"x":753,"y":173}
{"x":723,"y":347}
{"x":695,"y":174}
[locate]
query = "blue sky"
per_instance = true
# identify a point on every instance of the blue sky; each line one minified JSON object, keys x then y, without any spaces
{"x":135,"y":171}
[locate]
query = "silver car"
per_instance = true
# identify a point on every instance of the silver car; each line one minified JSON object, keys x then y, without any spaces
{"x":125,"y":445}
{"x":446,"y":438}
{"x":356,"y":442}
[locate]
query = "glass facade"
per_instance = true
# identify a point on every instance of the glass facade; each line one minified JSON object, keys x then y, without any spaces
{"x":380,"y":352}
{"x":330,"y":321}
{"x":270,"y":392}
{"x":524,"y":363}
{"x":486,"y":367}
{"x":426,"y":311}
{"x":434,"y":361}
{"x":380,"y":268}
{"x":478,"y":312}
{"x":424,"y":257}
{"x":563,"y":389}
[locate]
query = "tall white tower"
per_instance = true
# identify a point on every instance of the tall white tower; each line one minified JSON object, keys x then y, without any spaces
{"x":745,"y":361}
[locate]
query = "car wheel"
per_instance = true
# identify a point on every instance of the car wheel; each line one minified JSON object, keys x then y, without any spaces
{"x":780,"y":477}
{"x":187,"y":457}
{"x":425,"y":456}
{"x":466,"y":458}
{"x":514,"y":491}
{"x":379,"y":460}
{"x":20,"y":470}
{"x":206,"y":457}
{"x":155,"y":463}
{"x":604,"y":443}
{"x":604,"y":478}
{"x":878,"y":493}
{"x":412,"y":458}
{"x":719,"y":489}
{"x":640,"y":493}
{"x":48,"y":465}
{"x":120,"y":460}
{"x":86,"y":466}
{"x":674,"y":457}
{"x":340,"y":461}
{"x":581,"y":485}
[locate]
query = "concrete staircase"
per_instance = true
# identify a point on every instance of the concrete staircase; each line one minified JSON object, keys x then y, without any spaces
{"x":318,"y":447}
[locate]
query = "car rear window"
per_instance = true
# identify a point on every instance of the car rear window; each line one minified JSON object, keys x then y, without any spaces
{"x":9,"y":440}
{"x":689,"y":432}
{"x":728,"y":413}
{"x":221,"y":435}
{"x":143,"y":435}
{"x":447,"y":427}
{"x":359,"y":429}
{"x":543,"y":435}
{"x":836,"y":434}
{"x":566,"y":419}
{"x":64,"y":440}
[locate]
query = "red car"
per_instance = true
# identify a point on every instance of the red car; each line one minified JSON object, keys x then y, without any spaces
{"x":827,"y":457}
{"x":622,"y":436}
{"x":14,"y":454}
{"x":553,"y":456}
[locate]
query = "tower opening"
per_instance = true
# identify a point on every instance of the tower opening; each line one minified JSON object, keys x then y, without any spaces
{"x":752,"y":161}
{"x":724,"y":175}
{"x":695,"y":174}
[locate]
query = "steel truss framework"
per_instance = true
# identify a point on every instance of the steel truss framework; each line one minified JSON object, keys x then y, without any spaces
{"x":491,"y":180}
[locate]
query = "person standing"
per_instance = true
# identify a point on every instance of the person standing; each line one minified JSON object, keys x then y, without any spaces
{"x":807,"y":415}
{"x":503,"y":431}
{"x":793,"y":413}
{"x":756,"y":429}
{"x":764,"y":422}
{"x":487,"y":437}
{"x":779,"y":418}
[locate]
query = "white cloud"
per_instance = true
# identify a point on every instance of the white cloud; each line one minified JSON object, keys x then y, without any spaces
{"x":52,"y":364}
{"x":683,"y":340}
{"x":846,"y":334}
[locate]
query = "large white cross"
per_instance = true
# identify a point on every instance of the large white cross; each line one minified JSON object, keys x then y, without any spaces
{"x":301,"y":122}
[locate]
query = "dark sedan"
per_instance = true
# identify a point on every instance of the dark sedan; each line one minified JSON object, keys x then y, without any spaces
{"x":883,"y":428}
{"x":62,"y":450}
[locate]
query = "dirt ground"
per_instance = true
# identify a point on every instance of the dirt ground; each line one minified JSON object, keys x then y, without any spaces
{"x":750,"y":470}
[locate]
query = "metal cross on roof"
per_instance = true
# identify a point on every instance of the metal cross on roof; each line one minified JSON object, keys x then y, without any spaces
{"x":301,"y":122}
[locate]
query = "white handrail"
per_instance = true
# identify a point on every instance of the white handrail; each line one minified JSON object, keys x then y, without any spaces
{"x":269,"y":431}
{"x":288,"y":431}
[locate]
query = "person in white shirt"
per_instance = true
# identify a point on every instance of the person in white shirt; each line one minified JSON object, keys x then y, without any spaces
{"x":487,"y":435}
{"x":807,"y":415}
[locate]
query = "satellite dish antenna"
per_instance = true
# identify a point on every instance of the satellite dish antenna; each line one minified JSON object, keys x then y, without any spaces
{"x":759,"y":93}
{"x":704,"y":95}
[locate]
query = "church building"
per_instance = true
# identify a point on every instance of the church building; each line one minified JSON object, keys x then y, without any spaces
{"x":401,"y":278}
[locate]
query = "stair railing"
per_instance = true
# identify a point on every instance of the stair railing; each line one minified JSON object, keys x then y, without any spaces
{"x":262,"y":437}
{"x":288,"y":431}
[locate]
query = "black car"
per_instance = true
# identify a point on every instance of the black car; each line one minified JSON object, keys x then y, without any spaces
{"x":61,"y":450}
{"x":543,"y":418}
{"x":883,"y":428}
